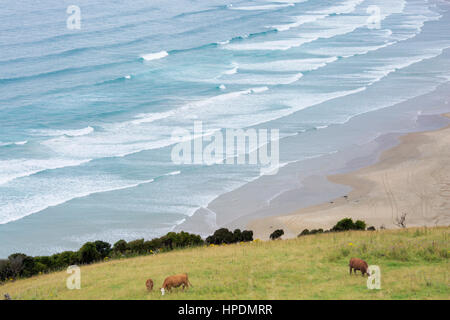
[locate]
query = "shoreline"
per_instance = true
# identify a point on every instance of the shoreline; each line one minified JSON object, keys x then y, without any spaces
{"x":303,"y":183}
{"x":411,"y":177}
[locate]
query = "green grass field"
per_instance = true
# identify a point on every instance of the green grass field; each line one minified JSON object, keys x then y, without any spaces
{"x":414,"y":265}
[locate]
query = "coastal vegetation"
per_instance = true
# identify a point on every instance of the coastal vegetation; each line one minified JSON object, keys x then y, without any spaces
{"x":20,"y":265}
{"x":413,"y":264}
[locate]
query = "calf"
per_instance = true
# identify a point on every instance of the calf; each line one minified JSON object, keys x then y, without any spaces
{"x":149,"y":284}
{"x":358,"y":264}
{"x":175,"y":281}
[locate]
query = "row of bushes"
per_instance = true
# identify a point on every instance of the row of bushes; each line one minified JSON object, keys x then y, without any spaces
{"x":345,"y":224}
{"x":21,"y":265}
{"x":225,"y":236}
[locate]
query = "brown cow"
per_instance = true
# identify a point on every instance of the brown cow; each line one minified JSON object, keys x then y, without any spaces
{"x":149,"y":284}
{"x":175,"y":281}
{"x":358,"y":264}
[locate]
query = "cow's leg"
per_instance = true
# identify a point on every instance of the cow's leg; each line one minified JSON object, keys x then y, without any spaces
{"x":350,"y":270}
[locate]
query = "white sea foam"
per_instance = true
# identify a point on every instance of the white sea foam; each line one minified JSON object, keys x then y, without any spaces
{"x":285,"y":44}
{"x":154,"y":55}
{"x":262,"y":7}
{"x":264,"y":79}
{"x":70,"y":133}
{"x":128,"y":137}
{"x":289,"y":65}
{"x":346,"y":7}
{"x":330,"y":30}
{"x":18,"y":143}
{"x":173,"y":173}
{"x":391,"y":65}
{"x":298,"y":21}
{"x":149,"y":117}
{"x":58,"y":190}
{"x":231,"y":71}
{"x":304,"y":101}
{"x":19,"y":168}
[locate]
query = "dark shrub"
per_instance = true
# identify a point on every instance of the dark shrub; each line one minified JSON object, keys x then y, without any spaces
{"x":104,"y":248}
{"x":220,"y":236}
{"x":344,"y":224}
{"x":47,"y":261}
{"x":276,"y":234}
{"x":304,"y":233}
{"x":17,"y":263}
{"x":88,"y":253}
{"x":167,"y":241}
{"x":120,"y":246}
{"x":224,"y":235}
{"x":371,"y":228}
{"x":185,"y":239}
{"x":137,"y":246}
{"x":5,"y":270}
{"x":67,"y":258}
{"x":247,"y":235}
{"x":237,"y":236}
{"x":153,"y":245}
{"x":360,"y":225}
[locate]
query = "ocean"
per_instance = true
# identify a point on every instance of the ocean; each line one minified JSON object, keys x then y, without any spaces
{"x":87,"y":115}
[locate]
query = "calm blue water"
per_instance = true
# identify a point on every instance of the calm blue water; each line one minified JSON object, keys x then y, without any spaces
{"x":86,"y":116}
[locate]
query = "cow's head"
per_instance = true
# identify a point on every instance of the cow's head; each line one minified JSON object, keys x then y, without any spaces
{"x":162,"y":291}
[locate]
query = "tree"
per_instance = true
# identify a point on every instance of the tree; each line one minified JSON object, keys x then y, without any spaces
{"x":104,"y":248}
{"x":247,"y":235}
{"x":5,"y":270}
{"x":360,"y":225}
{"x":237,"y":235}
{"x":16,"y":263}
{"x":120,"y":246}
{"x":137,"y":246}
{"x":276,"y":234}
{"x":88,"y":253}
{"x":220,"y":236}
{"x":304,"y":233}
{"x":67,"y":258}
{"x":344,"y":225}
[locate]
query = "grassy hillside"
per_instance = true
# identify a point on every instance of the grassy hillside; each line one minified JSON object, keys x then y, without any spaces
{"x":414,"y":265}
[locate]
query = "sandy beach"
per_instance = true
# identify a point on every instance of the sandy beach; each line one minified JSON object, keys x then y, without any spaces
{"x":412,"y":178}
